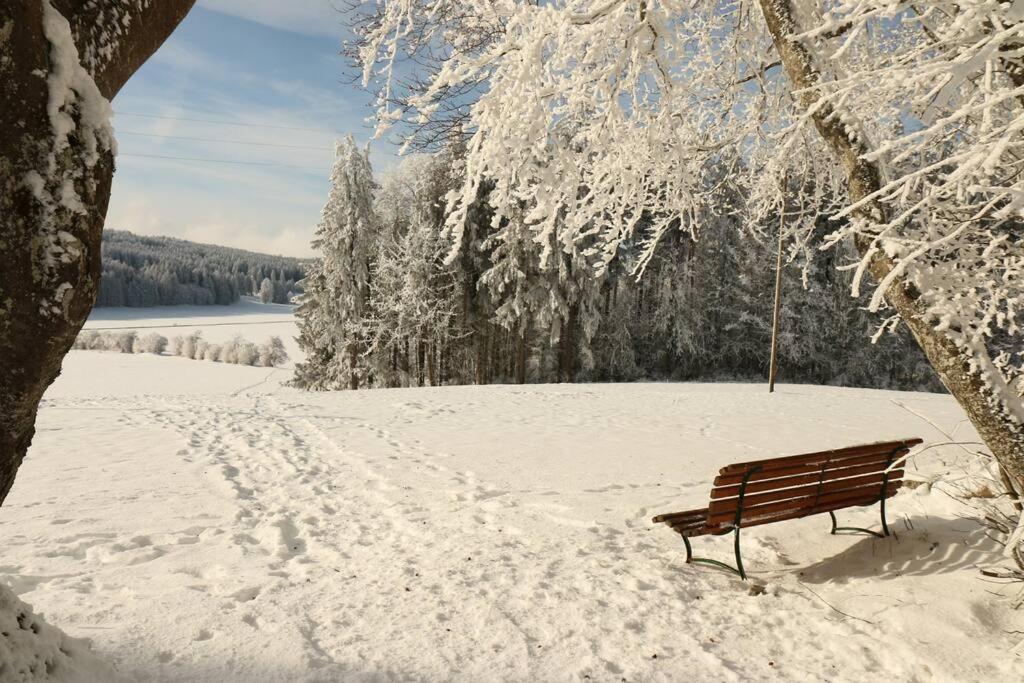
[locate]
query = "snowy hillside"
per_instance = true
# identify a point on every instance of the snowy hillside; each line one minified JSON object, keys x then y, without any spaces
{"x":200,"y":522}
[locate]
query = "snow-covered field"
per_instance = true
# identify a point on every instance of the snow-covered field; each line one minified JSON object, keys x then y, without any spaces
{"x":248,"y":318}
{"x":202,"y":522}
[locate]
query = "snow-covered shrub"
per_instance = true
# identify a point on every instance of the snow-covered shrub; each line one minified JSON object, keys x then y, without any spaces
{"x":122,"y":342}
{"x":246,"y":353}
{"x":236,"y":351}
{"x":98,"y":341}
{"x":227,"y":351}
{"x":151,"y":343}
{"x":272,"y":353}
{"x":189,"y":344}
{"x":119,"y":342}
{"x":87,"y":340}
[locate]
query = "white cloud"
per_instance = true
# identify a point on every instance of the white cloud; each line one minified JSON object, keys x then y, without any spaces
{"x":312,"y":17}
{"x":187,"y":110}
{"x":264,"y":226}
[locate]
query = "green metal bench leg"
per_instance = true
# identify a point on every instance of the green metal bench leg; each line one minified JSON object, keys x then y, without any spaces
{"x":738,"y":569}
{"x":739,"y":558}
{"x":881,"y":505}
{"x":885,"y":527}
{"x":857,"y":528}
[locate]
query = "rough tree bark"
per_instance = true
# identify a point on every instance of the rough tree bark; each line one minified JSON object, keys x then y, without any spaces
{"x":55,"y":182}
{"x":1004,"y":437}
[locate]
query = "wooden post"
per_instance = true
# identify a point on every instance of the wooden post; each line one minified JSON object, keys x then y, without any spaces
{"x":774,"y":364}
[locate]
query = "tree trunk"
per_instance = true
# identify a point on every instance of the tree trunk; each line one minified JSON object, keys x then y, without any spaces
{"x":480,"y":339}
{"x":50,"y":236}
{"x":353,"y":364}
{"x":393,"y":382}
{"x":420,"y":360}
{"x":442,"y":364}
{"x":520,"y":368}
{"x":773,"y":362}
{"x":406,"y":365}
{"x":431,"y":365}
{"x":567,"y":346}
{"x":494,"y":356}
{"x":985,"y":409}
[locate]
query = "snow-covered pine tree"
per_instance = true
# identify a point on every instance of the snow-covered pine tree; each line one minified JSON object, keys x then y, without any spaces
{"x":266,"y":291}
{"x":515,"y":284}
{"x":331,"y":312}
{"x":413,"y":300}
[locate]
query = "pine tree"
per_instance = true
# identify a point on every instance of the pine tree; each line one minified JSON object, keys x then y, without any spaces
{"x":331,"y":313}
{"x":266,"y":291}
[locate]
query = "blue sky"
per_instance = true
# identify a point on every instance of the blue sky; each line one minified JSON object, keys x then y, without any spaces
{"x":264,"y":75}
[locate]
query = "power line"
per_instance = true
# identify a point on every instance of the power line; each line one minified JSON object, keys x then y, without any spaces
{"x":246,"y":124}
{"x":269,"y":164}
{"x":230,"y":142}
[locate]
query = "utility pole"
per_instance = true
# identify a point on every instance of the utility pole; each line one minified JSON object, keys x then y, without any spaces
{"x":774,"y":365}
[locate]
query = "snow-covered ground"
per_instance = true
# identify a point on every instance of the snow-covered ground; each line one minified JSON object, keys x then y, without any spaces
{"x":202,"y":522}
{"x":248,"y":318}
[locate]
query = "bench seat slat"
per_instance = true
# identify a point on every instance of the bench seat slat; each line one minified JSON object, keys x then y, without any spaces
{"x":875,"y":459}
{"x":807,"y":505}
{"x":758,"y":485}
{"x":689,"y":523}
{"x":806,"y":491}
{"x":690,"y":531}
{"x":800,"y":513}
{"x":820,"y":456}
{"x":700,"y":513}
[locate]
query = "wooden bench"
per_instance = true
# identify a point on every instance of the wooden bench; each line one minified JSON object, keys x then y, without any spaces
{"x":766,"y":491}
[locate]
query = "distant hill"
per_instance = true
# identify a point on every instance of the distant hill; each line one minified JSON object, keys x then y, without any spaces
{"x":164,"y":271}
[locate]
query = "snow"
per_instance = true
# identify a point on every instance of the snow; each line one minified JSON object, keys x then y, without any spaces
{"x":202,"y":522}
{"x":70,"y":85}
{"x":254,"y":321}
{"x":75,"y":108}
{"x":33,"y":650}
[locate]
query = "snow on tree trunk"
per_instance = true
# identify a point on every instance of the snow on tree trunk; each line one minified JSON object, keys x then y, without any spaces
{"x":59,"y":64}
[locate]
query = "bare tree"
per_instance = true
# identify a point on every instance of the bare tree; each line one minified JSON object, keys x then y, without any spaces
{"x":61,"y":61}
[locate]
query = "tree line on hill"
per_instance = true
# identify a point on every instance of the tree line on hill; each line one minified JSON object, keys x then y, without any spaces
{"x":399,"y":300}
{"x":162,"y":271}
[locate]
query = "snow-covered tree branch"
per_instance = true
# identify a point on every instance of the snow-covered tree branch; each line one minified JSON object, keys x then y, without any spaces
{"x":606,"y":120}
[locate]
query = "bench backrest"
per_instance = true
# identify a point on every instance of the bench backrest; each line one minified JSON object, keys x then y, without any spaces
{"x":802,"y":485}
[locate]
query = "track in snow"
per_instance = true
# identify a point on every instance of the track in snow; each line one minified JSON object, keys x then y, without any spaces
{"x":472,"y":534}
